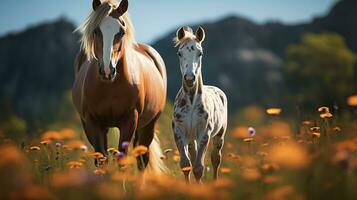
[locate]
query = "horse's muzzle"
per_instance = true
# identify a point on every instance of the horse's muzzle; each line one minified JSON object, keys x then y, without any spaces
{"x":110,"y":77}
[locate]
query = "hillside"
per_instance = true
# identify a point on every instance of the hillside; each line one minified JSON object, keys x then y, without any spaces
{"x":242,"y":57}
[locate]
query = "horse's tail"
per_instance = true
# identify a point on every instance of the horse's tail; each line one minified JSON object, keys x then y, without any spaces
{"x":156,"y":163}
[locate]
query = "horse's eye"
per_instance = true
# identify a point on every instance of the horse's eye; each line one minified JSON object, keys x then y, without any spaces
{"x":179,"y":54}
{"x":200,"y":54}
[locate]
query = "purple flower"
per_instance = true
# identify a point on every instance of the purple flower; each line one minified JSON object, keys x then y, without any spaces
{"x":121,"y":155}
{"x":251,"y":131}
{"x":125,"y":145}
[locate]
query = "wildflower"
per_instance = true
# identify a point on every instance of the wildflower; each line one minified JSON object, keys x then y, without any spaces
{"x":225,"y":170}
{"x":97,"y":155}
{"x":251,"y":131}
{"x":58,"y":145}
{"x":326,"y":115}
{"x":35,"y":148}
{"x":270,"y":167}
{"x":140,"y":150}
{"x":45,"y":142}
{"x":102,"y":159}
{"x":324,"y":109}
{"x":315,"y":129}
{"x":273,"y":111}
{"x":52,"y":135}
{"x":290,"y":155}
{"x":10,"y":156}
{"x":337,"y":129}
{"x":125,"y":145}
{"x":167,"y":151}
{"x":111,"y":150}
{"x":67,"y":133}
{"x":99,"y":172}
{"x":248,"y":140}
{"x":77,"y":145}
{"x":306,"y":122}
{"x":120,"y":155}
{"x":128,"y":160}
{"x":316,"y":134}
{"x":186,"y":169}
{"x":176,"y":158}
{"x":352,"y":100}
{"x":74,"y":164}
{"x":251,"y":174}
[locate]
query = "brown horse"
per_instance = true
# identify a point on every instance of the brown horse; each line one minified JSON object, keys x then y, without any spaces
{"x":118,"y":82}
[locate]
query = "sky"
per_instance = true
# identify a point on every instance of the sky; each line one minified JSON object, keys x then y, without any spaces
{"x":154,"y":18}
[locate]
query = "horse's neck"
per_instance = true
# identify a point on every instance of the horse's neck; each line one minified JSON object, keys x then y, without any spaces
{"x":195,"y":91}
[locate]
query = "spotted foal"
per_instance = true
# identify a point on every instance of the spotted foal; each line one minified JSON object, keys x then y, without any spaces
{"x":200,"y":111}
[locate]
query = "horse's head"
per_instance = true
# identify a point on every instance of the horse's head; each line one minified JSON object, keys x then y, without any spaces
{"x":103,"y":32}
{"x":190,"y":53}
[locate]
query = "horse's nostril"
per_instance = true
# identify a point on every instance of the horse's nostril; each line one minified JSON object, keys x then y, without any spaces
{"x":189,"y":77}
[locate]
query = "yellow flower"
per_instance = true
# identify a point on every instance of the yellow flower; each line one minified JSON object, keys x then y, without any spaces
{"x":225,"y":170}
{"x":45,"y":142}
{"x":74,"y":164}
{"x":315,"y":135}
{"x":186,"y":169}
{"x":248,"y":140}
{"x":176,"y":158}
{"x":337,"y":129}
{"x":352,"y":100}
{"x":97,"y":155}
{"x":324,"y":109}
{"x":67,"y":133}
{"x":52,"y":135}
{"x":315,"y":129}
{"x":326,"y":115}
{"x":99,"y":172}
{"x":306,"y":122}
{"x":139,"y":150}
{"x":35,"y":148}
{"x":273,"y":111}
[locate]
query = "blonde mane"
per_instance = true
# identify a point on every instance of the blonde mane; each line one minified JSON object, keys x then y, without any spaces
{"x":189,"y":36}
{"x":94,"y":20}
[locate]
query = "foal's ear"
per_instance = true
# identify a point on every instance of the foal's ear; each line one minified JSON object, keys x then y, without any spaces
{"x":180,"y":33}
{"x":96,"y":4}
{"x":200,"y":34}
{"x":122,"y":8}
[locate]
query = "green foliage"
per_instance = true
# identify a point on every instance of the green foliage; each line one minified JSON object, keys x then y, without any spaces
{"x":320,"y":69}
{"x":14,"y":127}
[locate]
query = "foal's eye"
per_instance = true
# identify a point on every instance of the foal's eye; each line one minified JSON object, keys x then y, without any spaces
{"x":179,"y":54}
{"x":200,"y":54}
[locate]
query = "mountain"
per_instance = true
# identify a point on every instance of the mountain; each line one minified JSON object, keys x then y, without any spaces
{"x":245,"y":58}
{"x":36,"y":69}
{"x":242,"y":57}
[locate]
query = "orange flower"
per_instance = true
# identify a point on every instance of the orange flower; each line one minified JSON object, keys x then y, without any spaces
{"x":77,"y":145}
{"x":139,"y":150}
{"x":326,"y":115}
{"x":337,"y":129}
{"x":316,"y":135}
{"x":74,"y":164}
{"x":97,"y":155}
{"x":251,"y":174}
{"x":99,"y":172}
{"x":225,"y":170}
{"x":290,"y":155}
{"x":45,"y":142}
{"x":324,"y":109}
{"x":273,"y":111}
{"x":67,"y":133}
{"x":127,"y":160}
{"x":306,"y":122}
{"x":186,"y":169}
{"x":248,"y":140}
{"x":315,"y":129}
{"x":352,"y":100}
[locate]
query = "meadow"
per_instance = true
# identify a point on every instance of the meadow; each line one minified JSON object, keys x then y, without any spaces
{"x":277,"y":158}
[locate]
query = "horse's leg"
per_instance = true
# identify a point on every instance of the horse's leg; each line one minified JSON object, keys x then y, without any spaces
{"x":202,"y":145}
{"x":182,"y":146}
{"x":97,"y":135}
{"x":127,"y":129}
{"x":192,"y":149}
{"x":216,"y":154}
{"x":145,"y":137}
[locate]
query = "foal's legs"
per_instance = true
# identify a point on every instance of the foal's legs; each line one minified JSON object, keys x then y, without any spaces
{"x":96,"y":134}
{"x":198,"y":166}
{"x":182,"y":146}
{"x":216,"y":154}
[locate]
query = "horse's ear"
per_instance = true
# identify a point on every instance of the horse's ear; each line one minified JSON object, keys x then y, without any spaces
{"x":122,"y":8}
{"x":180,"y":33}
{"x":96,"y":4}
{"x":200,"y":34}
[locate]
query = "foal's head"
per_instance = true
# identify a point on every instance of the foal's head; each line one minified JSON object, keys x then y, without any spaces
{"x":103,"y":34}
{"x":190,"y":53}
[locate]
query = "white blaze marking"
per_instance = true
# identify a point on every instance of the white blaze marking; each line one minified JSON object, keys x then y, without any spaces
{"x":109,"y":27}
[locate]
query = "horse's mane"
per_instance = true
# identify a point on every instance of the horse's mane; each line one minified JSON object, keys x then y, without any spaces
{"x":93,"y":21}
{"x":189,"y":35}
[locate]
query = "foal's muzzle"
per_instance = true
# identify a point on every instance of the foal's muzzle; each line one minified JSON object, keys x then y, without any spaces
{"x":190,"y":80}
{"x":111,"y":76}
